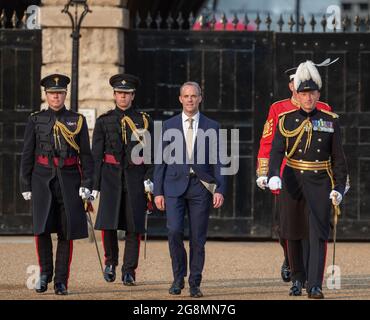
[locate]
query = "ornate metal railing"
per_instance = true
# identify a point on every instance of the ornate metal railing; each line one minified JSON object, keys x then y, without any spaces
{"x":13,"y":13}
{"x":259,"y":22}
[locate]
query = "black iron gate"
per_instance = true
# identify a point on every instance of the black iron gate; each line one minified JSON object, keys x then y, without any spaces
{"x":241,"y":74}
{"x":234,"y":71}
{"x":346,"y":87}
{"x":20,"y":69}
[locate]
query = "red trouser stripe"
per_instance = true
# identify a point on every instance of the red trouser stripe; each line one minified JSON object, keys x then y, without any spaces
{"x":138,"y":253}
{"x":37,"y":252}
{"x":138,"y":240}
{"x":69,"y":260}
{"x":102,"y":240}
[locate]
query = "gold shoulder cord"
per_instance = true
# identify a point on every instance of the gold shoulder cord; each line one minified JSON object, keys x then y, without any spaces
{"x":127,"y":120}
{"x":68,"y":135}
{"x":306,"y":125}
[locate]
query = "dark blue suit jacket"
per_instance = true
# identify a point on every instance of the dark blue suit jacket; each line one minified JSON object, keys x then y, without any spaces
{"x":172,"y":179}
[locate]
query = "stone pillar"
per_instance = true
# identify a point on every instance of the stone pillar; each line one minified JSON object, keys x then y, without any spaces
{"x":101,"y":48}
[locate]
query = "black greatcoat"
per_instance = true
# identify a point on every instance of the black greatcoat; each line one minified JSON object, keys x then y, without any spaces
{"x":304,"y":199}
{"x":126,"y":178}
{"x":35,"y":177}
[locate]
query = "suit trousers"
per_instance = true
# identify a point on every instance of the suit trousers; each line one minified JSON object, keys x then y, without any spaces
{"x":196,"y":201}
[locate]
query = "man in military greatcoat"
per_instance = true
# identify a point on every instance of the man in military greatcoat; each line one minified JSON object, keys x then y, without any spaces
{"x":122,"y":176}
{"x":56,"y":172}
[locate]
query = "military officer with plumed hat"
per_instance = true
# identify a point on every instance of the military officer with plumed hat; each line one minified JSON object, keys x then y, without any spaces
{"x":313,"y":180}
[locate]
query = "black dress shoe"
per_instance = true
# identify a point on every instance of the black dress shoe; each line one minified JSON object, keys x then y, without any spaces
{"x":60,"y":289}
{"x":296,"y":289}
{"x":195,"y":292}
{"x":42,"y":284}
{"x":285,"y":272}
{"x":110,"y":273}
{"x":315,"y":293}
{"x":128,"y":279}
{"x":176,"y":287}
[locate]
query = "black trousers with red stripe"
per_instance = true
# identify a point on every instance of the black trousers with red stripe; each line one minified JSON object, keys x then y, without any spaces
{"x":63,"y":258}
{"x":57,"y":222}
{"x":131,"y":254}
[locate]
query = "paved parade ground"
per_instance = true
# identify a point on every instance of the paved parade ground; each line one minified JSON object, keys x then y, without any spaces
{"x":233,"y":270}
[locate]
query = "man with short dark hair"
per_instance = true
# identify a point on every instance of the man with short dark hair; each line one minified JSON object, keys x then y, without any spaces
{"x":121,"y":177}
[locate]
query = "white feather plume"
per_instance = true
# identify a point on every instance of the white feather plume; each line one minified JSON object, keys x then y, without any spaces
{"x":307,"y":71}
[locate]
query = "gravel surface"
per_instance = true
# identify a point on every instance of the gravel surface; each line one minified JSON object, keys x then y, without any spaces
{"x":233,"y":270}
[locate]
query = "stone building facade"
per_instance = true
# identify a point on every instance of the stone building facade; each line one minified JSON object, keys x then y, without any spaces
{"x":101,"y":49}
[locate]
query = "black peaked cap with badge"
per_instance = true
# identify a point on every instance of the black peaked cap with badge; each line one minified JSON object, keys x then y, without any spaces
{"x":124,"y":82}
{"x":55,"y":82}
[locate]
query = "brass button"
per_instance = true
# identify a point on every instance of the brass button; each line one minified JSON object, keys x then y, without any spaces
{"x":315,"y":171}
{"x":319,"y":139}
{"x":300,"y":160}
{"x":318,"y":150}
{"x":317,"y":160}
{"x":302,"y":171}
{"x":300,"y":150}
{"x":296,"y":120}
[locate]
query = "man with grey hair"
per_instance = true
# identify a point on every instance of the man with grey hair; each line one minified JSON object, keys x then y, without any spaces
{"x":189,"y":185}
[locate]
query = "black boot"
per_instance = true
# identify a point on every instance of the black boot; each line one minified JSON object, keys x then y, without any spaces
{"x":315,"y":293}
{"x":128,"y":279}
{"x":60,"y":289}
{"x":42,"y":284}
{"x":296,"y":289}
{"x":285,"y":271}
{"x":110,"y":273}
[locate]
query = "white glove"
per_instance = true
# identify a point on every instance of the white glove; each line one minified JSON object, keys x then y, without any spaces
{"x":335,"y":197}
{"x":348,"y":186}
{"x":95,"y":194}
{"x":274,"y":183}
{"x":84,"y":193}
{"x":262,"y":182}
{"x":148,"y":185}
{"x":27,"y":195}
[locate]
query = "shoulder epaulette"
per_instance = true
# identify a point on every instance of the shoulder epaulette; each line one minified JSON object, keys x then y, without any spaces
{"x":37,"y":112}
{"x":145,"y":114}
{"x":334,"y":115}
{"x":286,"y":112}
{"x":323,"y":103}
{"x":75,"y":112}
{"x":283,"y":100}
{"x":106,"y":113}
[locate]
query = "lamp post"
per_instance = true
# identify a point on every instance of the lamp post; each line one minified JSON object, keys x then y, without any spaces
{"x":76,"y":20}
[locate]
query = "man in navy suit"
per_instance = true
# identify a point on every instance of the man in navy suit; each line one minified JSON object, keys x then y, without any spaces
{"x":190,"y":181}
